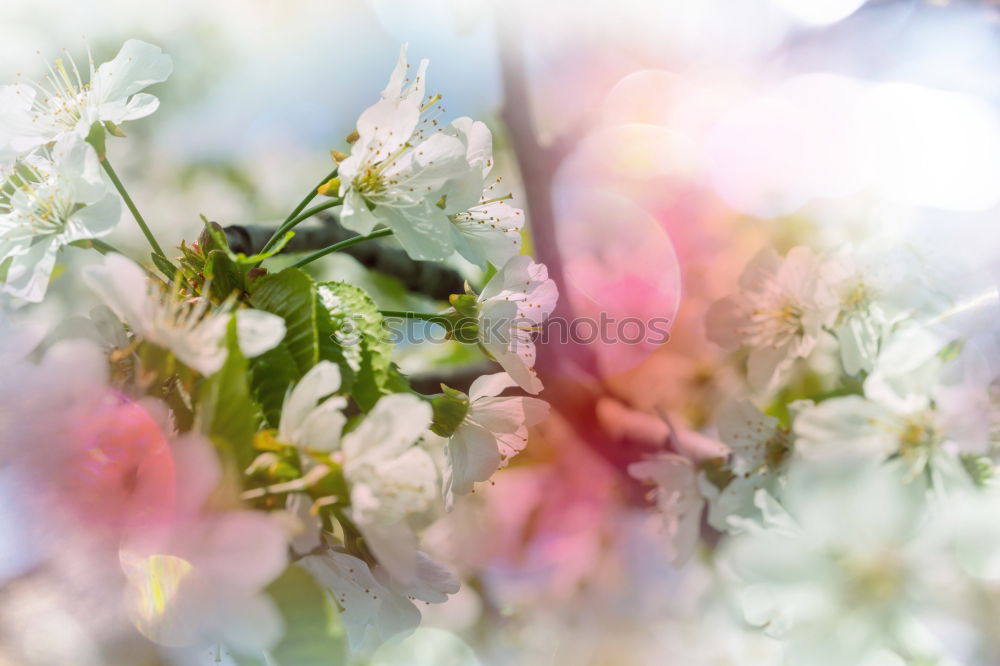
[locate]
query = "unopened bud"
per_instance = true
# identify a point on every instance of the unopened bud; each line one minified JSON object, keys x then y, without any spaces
{"x":330,"y":188}
{"x":466,"y":305}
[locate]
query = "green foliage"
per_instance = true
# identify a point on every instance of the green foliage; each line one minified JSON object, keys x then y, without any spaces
{"x":360,"y":328}
{"x":313,"y":633}
{"x":164,"y":266}
{"x":271,"y":374}
{"x":309,"y":338}
{"x":225,"y":409}
{"x":224,"y":275}
{"x":979,"y":468}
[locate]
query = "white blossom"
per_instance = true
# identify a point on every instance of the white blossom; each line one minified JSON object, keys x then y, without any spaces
{"x":779,"y":313}
{"x":679,"y":491}
{"x":761,"y":449}
{"x":905,"y":411}
{"x":33,"y":114}
{"x":56,"y":197}
{"x":488,"y":233}
{"x":512,"y":307}
{"x":839,"y":569}
{"x":678,"y":499}
{"x":374,"y":607}
{"x":391,"y":478}
{"x":310,"y":417}
{"x":411,"y":174}
{"x":192,"y":329}
{"x":495,"y":429}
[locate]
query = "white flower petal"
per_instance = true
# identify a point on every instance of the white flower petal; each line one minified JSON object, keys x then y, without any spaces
{"x":122,"y":285}
{"x":136,"y":66}
{"x":28,"y":275}
{"x":847,"y":426}
{"x":321,"y":428}
{"x":394,"y":424}
{"x":258,"y":331}
{"x":473,"y":455}
{"x":490,"y":385}
{"x":322,"y":380}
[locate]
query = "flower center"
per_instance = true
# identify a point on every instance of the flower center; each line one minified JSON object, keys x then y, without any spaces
{"x":875,"y":578}
{"x":857,"y":298}
{"x":776,"y":449}
{"x":62,"y":96}
{"x":371,"y":182}
{"x":34,"y":203}
{"x":773,"y":326}
{"x":918,"y":437}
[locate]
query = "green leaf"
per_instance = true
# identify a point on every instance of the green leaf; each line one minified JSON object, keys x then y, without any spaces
{"x":165,"y":267}
{"x":313,"y":633}
{"x":226,"y":412}
{"x":979,"y":468}
{"x":257,"y":258}
{"x":397,"y":382}
{"x":225,"y":275}
{"x":360,"y":328}
{"x":309,"y":338}
{"x":271,"y":374}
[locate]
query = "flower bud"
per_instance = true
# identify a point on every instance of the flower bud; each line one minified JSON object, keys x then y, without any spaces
{"x":330,"y":188}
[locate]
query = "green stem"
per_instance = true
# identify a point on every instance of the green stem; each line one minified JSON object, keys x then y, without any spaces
{"x":340,"y":246}
{"x":131,"y":206}
{"x":424,"y":316}
{"x":288,"y":225}
{"x":295,"y":213}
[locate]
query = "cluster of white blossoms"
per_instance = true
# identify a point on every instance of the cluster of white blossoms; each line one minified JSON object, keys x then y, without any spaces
{"x":54,"y":192}
{"x":854,"y":509}
{"x":265,"y":446}
{"x":424,"y":180}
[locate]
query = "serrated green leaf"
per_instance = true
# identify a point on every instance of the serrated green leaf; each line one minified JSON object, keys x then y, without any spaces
{"x":309,"y":337}
{"x":361,"y":330}
{"x":226,"y":412}
{"x":313,"y":633}
{"x":396,"y":381}
{"x":271,"y":374}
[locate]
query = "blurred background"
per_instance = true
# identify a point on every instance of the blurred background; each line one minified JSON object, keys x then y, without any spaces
{"x":656,"y":145}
